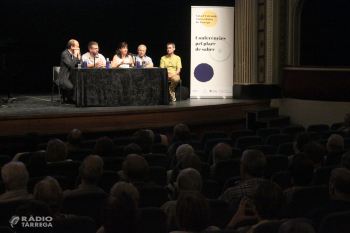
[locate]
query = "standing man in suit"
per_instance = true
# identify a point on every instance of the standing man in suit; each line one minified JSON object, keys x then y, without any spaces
{"x":173,"y":65}
{"x":70,"y":58}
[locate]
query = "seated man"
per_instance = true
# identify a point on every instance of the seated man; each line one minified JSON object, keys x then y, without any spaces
{"x":69,"y":59}
{"x":74,"y":138}
{"x":100,"y":60}
{"x":15,"y":177}
{"x":173,"y":64}
{"x":221,"y":152}
{"x":141,"y":50}
{"x":253,"y":163}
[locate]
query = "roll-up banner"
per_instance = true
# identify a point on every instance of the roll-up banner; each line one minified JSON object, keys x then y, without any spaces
{"x":212,"y":51}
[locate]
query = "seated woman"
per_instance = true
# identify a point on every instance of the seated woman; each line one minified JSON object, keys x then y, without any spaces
{"x":122,"y":59}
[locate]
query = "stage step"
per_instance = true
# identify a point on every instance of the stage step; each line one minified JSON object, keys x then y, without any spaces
{"x":265,"y":118}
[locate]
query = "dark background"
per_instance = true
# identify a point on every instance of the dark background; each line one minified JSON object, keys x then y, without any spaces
{"x":40,"y":29}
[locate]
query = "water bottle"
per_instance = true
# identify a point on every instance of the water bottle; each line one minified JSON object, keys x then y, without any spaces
{"x":85,"y":64}
{"x":137,"y":64}
{"x":107,"y":63}
{"x":143,"y":64}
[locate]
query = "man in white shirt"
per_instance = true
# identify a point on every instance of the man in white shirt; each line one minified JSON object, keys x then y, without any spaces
{"x":100,"y":60}
{"x":141,"y":50}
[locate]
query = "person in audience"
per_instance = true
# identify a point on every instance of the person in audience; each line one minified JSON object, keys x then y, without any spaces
{"x":221,"y":152}
{"x":122,"y":59}
{"x":135,"y":170}
{"x":56,"y":151}
{"x":120,"y":214}
{"x":104,"y":147}
{"x":141,"y":50}
{"x":301,"y":140}
{"x":37,"y":165}
{"x":34,"y":209}
{"x":302,"y":172}
{"x":346,"y":124}
{"x":193,"y":213}
{"x":70,"y":58}
{"x":49,"y":192}
{"x":316,"y":153}
{"x":173,"y":65}
{"x":15,"y":177}
{"x":74,"y":138}
{"x":335,"y":142}
{"x":339,"y":194}
{"x":189,"y":179}
{"x":345,"y":160}
{"x":253,"y":163}
{"x":267,"y":204}
{"x":132,"y":148}
{"x":188,"y":161}
{"x":128,"y":188}
{"x":181,"y":151}
{"x":31,"y":142}
{"x":181,"y":133}
{"x":93,"y":57}
{"x":298,"y":225}
{"x":90,"y":172}
{"x":144,"y":140}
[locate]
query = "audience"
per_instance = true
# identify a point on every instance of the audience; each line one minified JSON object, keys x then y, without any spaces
{"x":193,"y":213}
{"x":56,"y":151}
{"x":181,"y":151}
{"x":302,"y":172}
{"x":221,"y":152}
{"x":300,"y":141}
{"x":132,"y":148}
{"x":90,"y":172}
{"x":104,"y":147}
{"x":128,"y":188}
{"x":316,"y":153}
{"x":37,"y":165}
{"x":135,"y":170}
{"x":188,"y":179}
{"x":339,"y":194}
{"x":346,"y":124}
{"x":74,"y":138}
{"x":345,"y":160}
{"x":267,"y":204}
{"x":144,"y":140}
{"x":297,"y":225}
{"x":252,"y":167}
{"x":335,"y":142}
{"x":15,"y":177}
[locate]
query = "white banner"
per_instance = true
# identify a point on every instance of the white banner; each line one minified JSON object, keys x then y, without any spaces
{"x":212,"y":54}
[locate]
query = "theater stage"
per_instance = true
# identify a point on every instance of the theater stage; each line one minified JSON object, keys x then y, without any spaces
{"x":37,"y":113}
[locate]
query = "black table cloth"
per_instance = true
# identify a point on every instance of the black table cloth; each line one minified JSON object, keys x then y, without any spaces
{"x":120,"y":87}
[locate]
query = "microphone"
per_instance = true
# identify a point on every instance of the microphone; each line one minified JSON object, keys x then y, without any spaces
{"x":94,"y":57}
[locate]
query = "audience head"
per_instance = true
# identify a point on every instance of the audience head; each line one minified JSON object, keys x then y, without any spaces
{"x":33,"y":208}
{"x":315,"y":152}
{"x":74,"y":138}
{"x":189,"y":179}
{"x":268,"y":200}
{"x":91,"y":169}
{"x":135,"y":168}
{"x":346,"y":120}
{"x":297,"y":225}
{"x":123,"y":187}
{"x":120,"y":214}
{"x":150,"y":134}
{"x":144,"y":140}
{"x":15,"y":176}
{"x":37,"y":165}
{"x":181,"y":132}
{"x":339,"y":184}
{"x":221,"y":152}
{"x":192,"y":212}
{"x":183,"y":150}
{"x":49,"y":192}
{"x":132,"y":148}
{"x":335,"y":142}
{"x":300,"y":141}
{"x":104,"y":147}
{"x":31,"y":141}
{"x":301,"y":171}
{"x":345,"y":160}
{"x":190,"y":161}
{"x":253,"y":163}
{"x":56,"y":151}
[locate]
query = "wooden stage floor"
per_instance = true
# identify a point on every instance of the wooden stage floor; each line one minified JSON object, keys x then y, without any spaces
{"x":37,"y":113}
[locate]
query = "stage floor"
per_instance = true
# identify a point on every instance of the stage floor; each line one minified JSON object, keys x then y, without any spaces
{"x":37,"y":113}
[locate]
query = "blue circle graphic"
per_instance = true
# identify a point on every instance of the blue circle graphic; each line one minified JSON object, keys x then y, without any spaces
{"x":203,"y":72}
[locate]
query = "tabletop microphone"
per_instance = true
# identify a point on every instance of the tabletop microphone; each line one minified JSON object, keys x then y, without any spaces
{"x":94,"y":57}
